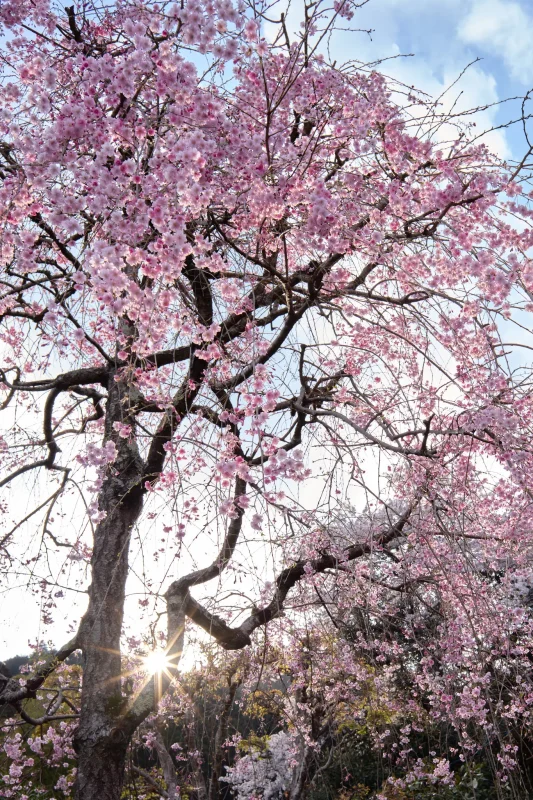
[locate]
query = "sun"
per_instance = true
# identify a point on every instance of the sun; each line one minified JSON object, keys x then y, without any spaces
{"x":156,"y":662}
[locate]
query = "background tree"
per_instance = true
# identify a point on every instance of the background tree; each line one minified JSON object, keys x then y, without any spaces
{"x":239,"y":283}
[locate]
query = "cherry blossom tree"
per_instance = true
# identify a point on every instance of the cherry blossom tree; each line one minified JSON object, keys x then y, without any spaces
{"x":242,"y":287}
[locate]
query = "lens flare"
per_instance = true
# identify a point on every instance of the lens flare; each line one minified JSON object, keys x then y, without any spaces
{"x":156,"y":662}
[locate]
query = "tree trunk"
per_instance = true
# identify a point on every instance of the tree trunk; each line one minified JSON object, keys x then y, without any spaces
{"x":105,"y":729}
{"x":220,"y":738}
{"x":302,"y":772}
{"x":167,"y":765}
{"x":101,"y":763}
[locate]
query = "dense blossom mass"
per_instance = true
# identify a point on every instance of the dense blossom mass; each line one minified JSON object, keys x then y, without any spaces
{"x":257,"y":317}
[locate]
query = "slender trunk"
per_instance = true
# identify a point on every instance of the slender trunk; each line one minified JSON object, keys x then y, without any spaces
{"x":104,"y":732}
{"x":200,"y":788}
{"x":308,"y":760}
{"x":167,"y":765}
{"x":220,"y":738}
{"x":308,"y":769}
{"x":302,"y":772}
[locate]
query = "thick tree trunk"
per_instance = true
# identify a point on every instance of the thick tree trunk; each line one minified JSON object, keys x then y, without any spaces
{"x":105,"y":729}
{"x":101,"y":763}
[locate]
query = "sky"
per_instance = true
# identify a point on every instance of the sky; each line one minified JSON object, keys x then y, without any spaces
{"x":443,"y":37}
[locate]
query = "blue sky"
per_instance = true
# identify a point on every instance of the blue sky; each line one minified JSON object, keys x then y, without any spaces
{"x":444,"y":36}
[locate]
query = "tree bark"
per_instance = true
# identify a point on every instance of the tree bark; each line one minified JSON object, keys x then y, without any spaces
{"x":105,"y":729}
{"x":302,"y":772}
{"x":167,"y":765}
{"x":220,"y":738}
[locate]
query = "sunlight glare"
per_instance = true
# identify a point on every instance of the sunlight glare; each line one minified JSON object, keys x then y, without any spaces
{"x":156,"y":662}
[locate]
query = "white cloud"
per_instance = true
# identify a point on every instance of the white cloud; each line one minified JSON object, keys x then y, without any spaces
{"x":476,"y":88}
{"x":429,"y":30}
{"x":459,"y":90}
{"x":502,"y":29}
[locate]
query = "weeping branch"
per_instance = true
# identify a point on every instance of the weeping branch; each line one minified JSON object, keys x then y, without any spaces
{"x":239,"y":637}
